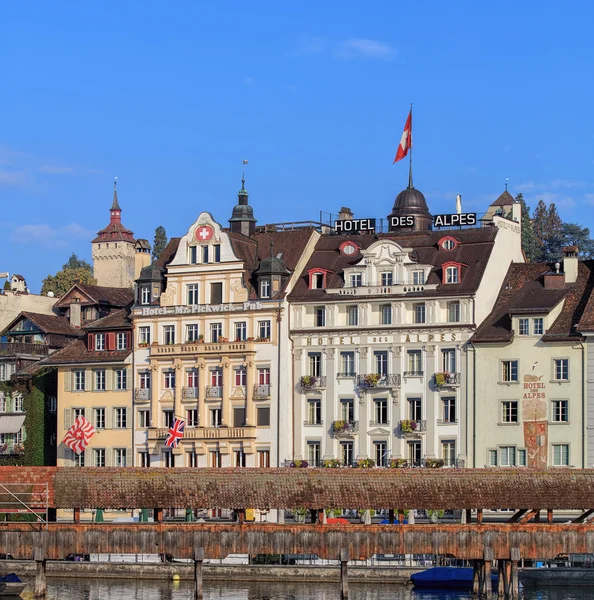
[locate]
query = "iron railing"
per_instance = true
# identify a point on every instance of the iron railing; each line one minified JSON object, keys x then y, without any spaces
{"x":313,"y":382}
{"x":261,"y":390}
{"x":214,"y":391}
{"x":443,"y":379}
{"x":412,"y":426}
{"x":189,"y":393}
{"x":344,"y":427}
{"x":376,"y":380}
{"x":414,"y":373}
{"x":143,"y":394}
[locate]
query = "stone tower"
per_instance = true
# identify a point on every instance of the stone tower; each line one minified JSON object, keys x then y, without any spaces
{"x":114,"y":251}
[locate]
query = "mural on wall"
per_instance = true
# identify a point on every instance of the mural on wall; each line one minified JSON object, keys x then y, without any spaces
{"x":534,"y":414}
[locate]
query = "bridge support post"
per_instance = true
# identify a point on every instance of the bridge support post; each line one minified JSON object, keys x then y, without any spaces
{"x":40,"y":581}
{"x":468,"y":515}
{"x":391,"y":516}
{"x":500,"y":580}
{"x":344,"y":578}
{"x":549,"y":515}
{"x":487,"y":585}
{"x":198,"y":558}
{"x":479,"y":516}
{"x":515,"y":587}
{"x":158,"y":517}
{"x":77,"y":515}
{"x":475,"y":576}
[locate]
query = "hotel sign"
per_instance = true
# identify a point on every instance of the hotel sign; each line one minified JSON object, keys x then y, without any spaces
{"x":454,"y":220}
{"x":202,"y":308}
{"x":354,"y":226}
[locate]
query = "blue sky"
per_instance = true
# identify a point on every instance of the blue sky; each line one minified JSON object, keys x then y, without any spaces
{"x":171,"y":97}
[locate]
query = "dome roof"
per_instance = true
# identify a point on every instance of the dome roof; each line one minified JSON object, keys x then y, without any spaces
{"x":272,"y":266}
{"x":242,"y":212}
{"x":152,"y":272}
{"x":411,"y":202}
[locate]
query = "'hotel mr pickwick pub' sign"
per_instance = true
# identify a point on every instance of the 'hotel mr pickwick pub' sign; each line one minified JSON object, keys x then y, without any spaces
{"x":344,"y":226}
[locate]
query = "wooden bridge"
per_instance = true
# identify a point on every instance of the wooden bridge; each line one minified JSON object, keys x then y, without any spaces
{"x":527,"y":534}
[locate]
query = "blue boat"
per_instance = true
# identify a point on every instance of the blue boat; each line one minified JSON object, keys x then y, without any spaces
{"x":447,"y":578}
{"x":11,"y":586}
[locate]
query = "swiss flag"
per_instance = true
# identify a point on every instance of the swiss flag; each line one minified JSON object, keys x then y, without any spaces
{"x":405,"y":140}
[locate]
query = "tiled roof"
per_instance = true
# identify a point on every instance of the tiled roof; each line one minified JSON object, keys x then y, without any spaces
{"x":119,"y":297}
{"x":47,"y":324}
{"x":168,"y":253}
{"x":77,"y":353}
{"x":118,"y":319}
{"x":523,"y":291}
{"x":504,"y":200}
{"x":473,"y":252}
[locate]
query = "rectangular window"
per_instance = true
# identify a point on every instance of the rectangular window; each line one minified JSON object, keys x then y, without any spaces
{"x":79,"y":459}
{"x":521,"y":456}
{"x":523,"y":326}
{"x":347,"y":411}
{"x":169,"y":381}
{"x":240,"y":376}
{"x":216,"y":293}
{"x":192,"y":417}
{"x":216,"y":331}
{"x":143,"y":419}
{"x":122,"y":341}
{"x":100,"y":380}
{"x":216,"y":459}
{"x":99,"y":341}
{"x":99,"y":457}
{"x":320,"y":316}
{"x":215,"y":417}
{"x":560,"y":411}
{"x":205,"y":254}
{"x":265,"y":288}
{"x":317,"y":281}
{"x":145,"y":380}
{"x":263,"y":459}
{"x":414,"y":453}
{"x":314,"y":410}
{"x":419,"y":312}
{"x":192,"y":332}
{"x":264,"y":330}
{"x":346,"y":453}
{"x":144,"y":460}
{"x":263,"y":416}
{"x":418,"y":277}
{"x":192,"y":459}
{"x":381,"y":411}
{"x":79,"y":381}
{"x":415,"y":409}
{"x":386,"y":278}
{"x":240,"y":331}
{"x":448,"y":452}
{"x":239,"y":458}
{"x":353,"y":316}
{"x":492,"y":458}
{"x":538,"y":326}
{"x":120,"y":418}
{"x":507,"y":456}
{"x":381,"y":362}
{"x":168,"y":459}
{"x":167,"y":418}
{"x":509,"y":411}
{"x":448,"y":360}
{"x":452,"y":275}
{"x":217,"y":252}
{"x":386,"y":314}
{"x":99,"y":418}
{"x":120,"y":379}
{"x":347,"y":364}
{"x":239,"y":417}
{"x":561,"y":369}
{"x":193,"y":255}
{"x":264,"y":376}
{"x":192,"y":378}
{"x":356,"y":280}
{"x":381,"y":453}
{"x":119,"y":455}
{"x":415,"y":366}
{"x":145,"y":295}
{"x":144,"y":335}
{"x":454,"y":312}
{"x":560,"y":455}
{"x":449,"y":409}
{"x":18,"y":404}
{"x":78,"y":412}
{"x":509,"y":370}
{"x":169,"y":334}
{"x":216,"y":377}
{"x":315,"y":364}
{"x":313,"y":453}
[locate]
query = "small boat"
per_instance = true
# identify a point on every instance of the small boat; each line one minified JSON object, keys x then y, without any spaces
{"x":447,"y":578}
{"x":11,"y":586}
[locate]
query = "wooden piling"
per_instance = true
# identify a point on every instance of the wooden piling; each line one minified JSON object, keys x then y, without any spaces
{"x":475,"y":577}
{"x":500,"y":578}
{"x":488,"y":586}
{"x":344,"y":578}
{"x":77,"y":515}
{"x":158,"y":516}
{"x":391,"y":516}
{"x":507,"y":578}
{"x":549,"y":515}
{"x":40,"y":581}
{"x":198,"y":559}
{"x":515,"y":586}
{"x":479,"y":515}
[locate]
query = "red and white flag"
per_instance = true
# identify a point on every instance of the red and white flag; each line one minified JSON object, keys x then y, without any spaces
{"x":176,"y":433}
{"x":78,"y":436}
{"x":406,"y":139}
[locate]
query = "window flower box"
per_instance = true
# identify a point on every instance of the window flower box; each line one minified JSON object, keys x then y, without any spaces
{"x":408,"y":426}
{"x":331,"y":463}
{"x":365,"y":463}
{"x":299,"y":464}
{"x":372,"y":379}
{"x":398,"y":463}
{"x":434,"y":463}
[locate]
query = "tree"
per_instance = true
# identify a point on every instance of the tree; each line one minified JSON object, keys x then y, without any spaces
{"x":76,"y":263}
{"x":160,"y":242}
{"x":546,"y":225}
{"x":528,"y":242}
{"x":572,"y":234}
{"x":7,"y":285}
{"x":63,"y":280}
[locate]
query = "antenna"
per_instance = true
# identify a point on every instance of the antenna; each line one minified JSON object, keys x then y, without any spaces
{"x":506,"y":180}
{"x":115,"y":182}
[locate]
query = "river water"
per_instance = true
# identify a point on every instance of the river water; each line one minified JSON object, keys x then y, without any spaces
{"x":101,"y":589}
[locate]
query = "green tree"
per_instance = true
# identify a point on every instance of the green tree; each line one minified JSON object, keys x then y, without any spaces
{"x":528,"y":242}
{"x":547,"y":226}
{"x":63,"y":280}
{"x":160,"y":242}
{"x":7,"y":285}
{"x":77,"y":263}
{"x":572,"y":234}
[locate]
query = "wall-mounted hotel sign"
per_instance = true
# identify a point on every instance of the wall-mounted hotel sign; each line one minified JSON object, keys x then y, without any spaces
{"x":404,"y":221}
{"x":454,"y":220}
{"x":354,"y":226}
{"x":149,"y":311}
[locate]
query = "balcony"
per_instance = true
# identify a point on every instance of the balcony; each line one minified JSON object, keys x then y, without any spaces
{"x":24,"y":348}
{"x":445,"y":379}
{"x":190,"y":393}
{"x":142,"y":395}
{"x":214,"y":391}
{"x":414,"y":373}
{"x":376,"y":380}
{"x":261,"y":391}
{"x":11,"y":449}
{"x":313,"y":382}
{"x":412,"y":427}
{"x":205,"y":433}
{"x":345,"y":428}
{"x":200,"y":347}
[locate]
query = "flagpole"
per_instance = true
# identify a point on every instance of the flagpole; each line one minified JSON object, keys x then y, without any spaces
{"x":410,"y":179}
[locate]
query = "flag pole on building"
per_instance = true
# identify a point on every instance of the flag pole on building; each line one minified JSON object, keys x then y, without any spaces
{"x":405,"y":146}
{"x":410,"y":179}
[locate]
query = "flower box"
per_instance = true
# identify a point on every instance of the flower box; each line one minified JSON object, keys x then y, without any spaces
{"x":299,"y":464}
{"x":408,"y":426}
{"x":331,"y":463}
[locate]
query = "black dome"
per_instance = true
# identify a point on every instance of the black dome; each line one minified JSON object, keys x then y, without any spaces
{"x":411,"y":202}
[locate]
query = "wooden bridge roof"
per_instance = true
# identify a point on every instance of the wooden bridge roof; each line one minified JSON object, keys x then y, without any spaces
{"x":129,"y":487}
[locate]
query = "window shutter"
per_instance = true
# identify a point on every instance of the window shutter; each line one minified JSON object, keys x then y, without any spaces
{"x":108,"y":380}
{"x":109,"y":418}
{"x":109,"y":458}
{"x":129,"y":416}
{"x":91,"y":341}
{"x":128,"y":378}
{"x":67,"y":417}
{"x":128,"y":457}
{"x":128,"y":339}
{"x":111,"y":341}
{"x":67,"y":381}
{"x":88,"y":380}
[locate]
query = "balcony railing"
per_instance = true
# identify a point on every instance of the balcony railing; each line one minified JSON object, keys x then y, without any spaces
{"x":388,"y":463}
{"x":413,"y":373}
{"x":376,"y":380}
{"x":313,"y":382}
{"x":444,"y":379}
{"x":143,"y":394}
{"x":346,"y":428}
{"x":11,"y":449}
{"x":24,"y":348}
{"x":261,"y":391}
{"x":347,"y":374}
{"x":214,"y":391}
{"x":200,"y":347}
{"x":412,"y":427}
{"x":189,"y":393}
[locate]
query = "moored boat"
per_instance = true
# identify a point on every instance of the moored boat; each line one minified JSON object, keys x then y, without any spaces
{"x":11,"y":586}
{"x":447,"y":578}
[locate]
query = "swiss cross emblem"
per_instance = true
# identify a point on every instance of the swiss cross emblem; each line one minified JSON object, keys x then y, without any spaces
{"x":204,"y":233}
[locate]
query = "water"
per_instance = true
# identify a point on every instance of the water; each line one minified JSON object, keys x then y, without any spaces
{"x":101,"y":589}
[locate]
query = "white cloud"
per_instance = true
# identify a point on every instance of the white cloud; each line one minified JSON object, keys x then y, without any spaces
{"x":556,"y":184}
{"x":362,"y":48}
{"x":8,"y":177}
{"x":47,"y":236}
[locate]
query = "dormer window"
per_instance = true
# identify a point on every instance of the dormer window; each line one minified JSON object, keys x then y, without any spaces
{"x":265,"y":288}
{"x":317,"y":279}
{"x":356,"y":280}
{"x":451,"y":272}
{"x":387,"y":278}
{"x":100,"y":341}
{"x":348,"y":248}
{"x":145,"y":295}
{"x":418,"y":277}
{"x":448,"y":243}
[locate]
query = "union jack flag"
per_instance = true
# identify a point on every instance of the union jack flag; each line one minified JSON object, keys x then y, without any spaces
{"x":78,"y":436}
{"x":176,"y":433}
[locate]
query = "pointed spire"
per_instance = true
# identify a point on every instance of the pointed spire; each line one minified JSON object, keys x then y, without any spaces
{"x":115,"y":205}
{"x":242,"y":192}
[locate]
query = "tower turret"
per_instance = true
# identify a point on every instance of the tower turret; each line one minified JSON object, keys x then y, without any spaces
{"x":242,"y":219}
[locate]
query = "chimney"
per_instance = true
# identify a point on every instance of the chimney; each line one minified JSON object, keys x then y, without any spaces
{"x":459,"y":204}
{"x":554,"y":280}
{"x":345,"y":214}
{"x":570,"y":263}
{"x":75,"y":314}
